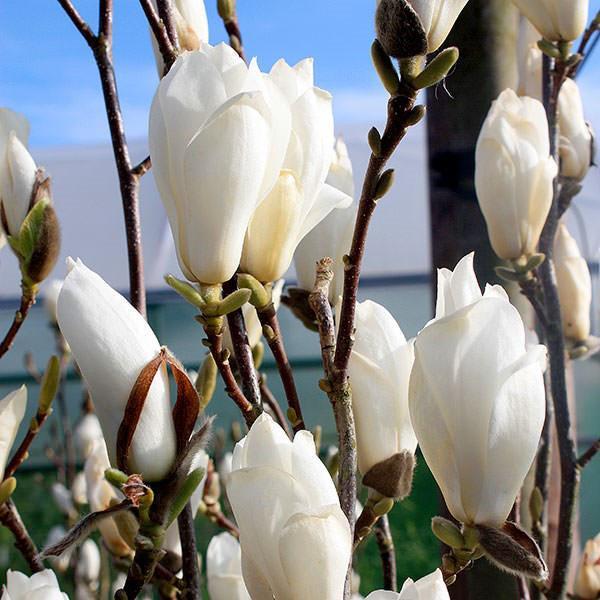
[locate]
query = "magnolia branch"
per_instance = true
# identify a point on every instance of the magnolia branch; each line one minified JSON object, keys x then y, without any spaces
{"x":10,"y":518}
{"x":589,"y":454}
{"x":101,"y":46}
{"x":27,"y":301}
{"x":387,"y":553}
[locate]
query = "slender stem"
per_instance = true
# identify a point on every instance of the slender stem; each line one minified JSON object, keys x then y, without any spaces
{"x":142,"y":167}
{"x":187,"y":534}
{"x":340,"y":395}
{"x":270,"y":401}
{"x":165,"y":11}
{"x":242,"y":349}
{"x":387,"y":553}
{"x":101,"y":46}
{"x":160,"y":34}
{"x":27,"y":300}
{"x":269,"y":320}
{"x":232,"y":28}
{"x":553,"y":78}
{"x":10,"y":518}
{"x":213,"y":509}
{"x":587,"y":456}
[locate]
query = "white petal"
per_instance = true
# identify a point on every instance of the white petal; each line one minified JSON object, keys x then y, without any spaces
{"x":12,"y":411}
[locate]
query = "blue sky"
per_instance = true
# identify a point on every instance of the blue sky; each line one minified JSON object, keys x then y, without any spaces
{"x":47,"y":72}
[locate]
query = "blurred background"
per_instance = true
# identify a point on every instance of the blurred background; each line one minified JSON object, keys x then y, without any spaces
{"x":430,"y":219}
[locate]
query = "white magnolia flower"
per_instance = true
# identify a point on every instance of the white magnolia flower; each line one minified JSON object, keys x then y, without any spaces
{"x":557,"y":20}
{"x":574,"y":286}
{"x":587,"y":581}
{"x":576,"y":138}
{"x":40,"y":586}
{"x":332,"y":237}
{"x":287,"y":507}
{"x":514,"y":174}
{"x":87,"y":433}
{"x":79,"y":488}
{"x":300,"y":198}
{"x":476,"y":397}
{"x":379,"y":372}
{"x":111,"y":342}
{"x":224,"y":569}
{"x":12,"y":411}
{"x":191,"y":25}
{"x":529,"y":60}
{"x":87,"y":569}
{"x":219,"y":132}
{"x":63,"y":499}
{"x":17,"y":169}
{"x":100,"y":496}
{"x":59,"y":563}
{"x":430,"y":587}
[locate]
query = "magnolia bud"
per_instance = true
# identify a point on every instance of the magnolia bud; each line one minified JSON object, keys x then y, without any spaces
{"x":12,"y":411}
{"x":224,"y":569}
{"x":557,"y":20}
{"x":574,"y":286}
{"x":514,"y":196}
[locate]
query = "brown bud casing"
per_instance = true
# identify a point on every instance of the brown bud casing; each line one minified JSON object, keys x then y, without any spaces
{"x":393,"y":476}
{"x":399,"y":29}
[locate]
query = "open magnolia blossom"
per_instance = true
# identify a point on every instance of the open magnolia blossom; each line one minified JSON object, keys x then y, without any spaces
{"x":12,"y":411}
{"x":514,"y":174}
{"x":430,"y":587}
{"x":17,"y":170}
{"x":172,"y":541}
{"x":87,"y":432}
{"x":295,"y":539}
{"x":40,"y":586}
{"x":87,"y":569}
{"x":100,"y":496}
{"x":224,"y":569}
{"x":379,"y":372}
{"x":219,"y":131}
{"x":476,"y":397}
{"x":576,"y":137}
{"x":587,"y":581}
{"x":253,"y":324}
{"x":557,"y":20}
{"x":574,"y":286}
{"x":333,"y":235}
{"x":191,"y":25}
{"x":300,"y":198}
{"x":111,"y":342}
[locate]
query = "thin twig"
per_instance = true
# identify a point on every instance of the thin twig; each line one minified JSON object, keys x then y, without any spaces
{"x":242,"y":349}
{"x":189,"y":554}
{"x":553,"y":79}
{"x":161,"y":36}
{"x":270,"y":401}
{"x":232,"y":28}
{"x":101,"y":46}
{"x":387,"y":553}
{"x":142,"y":167}
{"x":587,"y":456}
{"x":213,"y":509}
{"x":10,"y":518}
{"x":165,"y":12}
{"x":340,"y":395}
{"x":270,"y":323}
{"x":27,"y":300}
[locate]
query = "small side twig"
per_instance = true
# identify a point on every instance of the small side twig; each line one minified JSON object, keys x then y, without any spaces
{"x":142,"y":167}
{"x":10,"y":518}
{"x":27,"y":301}
{"x":232,"y":27}
{"x":160,"y":33}
{"x":213,"y":509}
{"x":165,"y":12}
{"x":270,"y":401}
{"x":587,"y":456}
{"x":272,"y":331}
{"x":387,"y":553}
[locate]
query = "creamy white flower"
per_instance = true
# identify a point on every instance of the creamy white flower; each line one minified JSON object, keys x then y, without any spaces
{"x":58,"y":563}
{"x":576,"y":138}
{"x":191,"y":25}
{"x":63,"y":499}
{"x":79,"y":488}
{"x":172,"y":541}
{"x":557,"y":20}
{"x":87,"y":569}
{"x":224,"y":468}
{"x":300,"y":198}
{"x":438,"y":18}
{"x":87,"y":432}
{"x":50,"y":296}
{"x":12,"y":411}
{"x":587,"y":581}
{"x":514,"y":174}
{"x":286,"y":506}
{"x":529,"y":60}
{"x":253,"y":324}
{"x":219,"y":131}
{"x":379,"y":372}
{"x":40,"y":586}
{"x":224,"y":569}
{"x":100,"y":495}
{"x":574,"y":286}
{"x":476,"y":397}
{"x":332,"y":237}
{"x":430,"y":587}
{"x":111,"y":342}
{"x":17,"y":169}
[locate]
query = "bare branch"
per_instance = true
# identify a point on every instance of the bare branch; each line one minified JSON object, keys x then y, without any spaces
{"x":589,"y":454}
{"x":159,"y":31}
{"x":79,"y":23}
